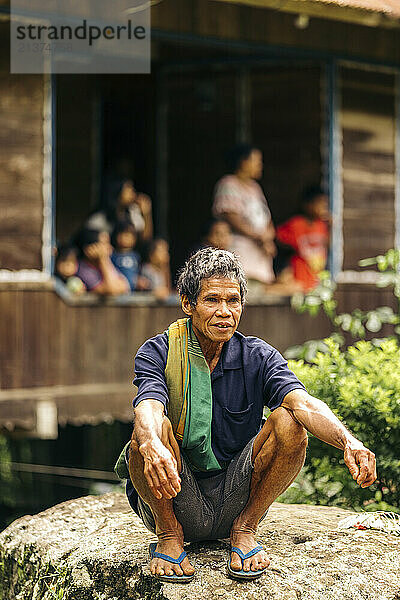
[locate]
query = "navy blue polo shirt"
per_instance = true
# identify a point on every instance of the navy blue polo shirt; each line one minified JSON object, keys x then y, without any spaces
{"x":249,"y":375}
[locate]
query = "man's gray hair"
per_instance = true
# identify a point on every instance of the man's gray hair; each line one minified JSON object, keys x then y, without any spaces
{"x":207,"y":263}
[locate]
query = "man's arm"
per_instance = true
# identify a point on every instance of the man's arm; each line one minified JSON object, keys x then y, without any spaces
{"x":318,"y":419}
{"x":152,"y":432}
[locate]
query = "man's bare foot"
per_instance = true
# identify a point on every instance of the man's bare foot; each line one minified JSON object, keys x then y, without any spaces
{"x":243,"y":537}
{"x":171,"y":544}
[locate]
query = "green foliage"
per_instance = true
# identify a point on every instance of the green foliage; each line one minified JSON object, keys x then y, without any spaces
{"x":319,"y":297}
{"x":8,"y":482}
{"x":309,"y":349}
{"x":362,"y":387}
{"x":358,"y":322}
{"x":24,"y":575}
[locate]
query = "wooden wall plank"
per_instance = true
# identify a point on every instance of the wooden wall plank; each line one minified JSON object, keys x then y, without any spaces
{"x":96,"y":344}
{"x":11,"y":340}
{"x":34,"y":353}
{"x":21,"y":167}
{"x":21,"y":163}
{"x":368,"y":124}
{"x":47,"y":342}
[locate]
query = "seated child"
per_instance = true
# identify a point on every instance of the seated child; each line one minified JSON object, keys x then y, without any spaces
{"x":67,"y":267}
{"x":95,"y":267}
{"x":156,"y":270}
{"x":308,"y":235}
{"x":124,"y":256}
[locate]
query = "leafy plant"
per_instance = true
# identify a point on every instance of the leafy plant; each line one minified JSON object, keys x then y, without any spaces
{"x":23,"y":574}
{"x":362,"y":387}
{"x":8,"y":482}
{"x":358,"y":322}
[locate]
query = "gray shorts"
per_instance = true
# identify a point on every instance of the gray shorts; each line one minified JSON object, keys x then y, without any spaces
{"x":206,"y":508}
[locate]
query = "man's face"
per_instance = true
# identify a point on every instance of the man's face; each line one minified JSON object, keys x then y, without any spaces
{"x":218,"y":310}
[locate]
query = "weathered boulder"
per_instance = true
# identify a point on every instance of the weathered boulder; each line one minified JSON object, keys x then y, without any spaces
{"x":95,"y":548}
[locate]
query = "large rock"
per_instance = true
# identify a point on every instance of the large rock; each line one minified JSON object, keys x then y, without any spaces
{"x":95,"y":548}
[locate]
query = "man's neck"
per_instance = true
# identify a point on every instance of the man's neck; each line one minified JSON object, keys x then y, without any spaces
{"x":211,"y":350}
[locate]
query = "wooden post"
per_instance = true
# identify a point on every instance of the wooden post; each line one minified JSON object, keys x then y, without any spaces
{"x":46,"y":419}
{"x":49,"y":175}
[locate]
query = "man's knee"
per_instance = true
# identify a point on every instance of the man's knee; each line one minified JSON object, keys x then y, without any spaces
{"x":289,"y":434}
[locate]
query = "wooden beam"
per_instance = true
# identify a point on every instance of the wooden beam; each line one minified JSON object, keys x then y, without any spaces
{"x":65,"y":391}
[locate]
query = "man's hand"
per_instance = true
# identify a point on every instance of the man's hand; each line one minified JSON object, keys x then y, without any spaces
{"x":361,"y":463}
{"x":160,"y":469}
{"x":319,"y":420}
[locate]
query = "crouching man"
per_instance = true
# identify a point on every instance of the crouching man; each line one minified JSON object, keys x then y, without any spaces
{"x":203,"y":462}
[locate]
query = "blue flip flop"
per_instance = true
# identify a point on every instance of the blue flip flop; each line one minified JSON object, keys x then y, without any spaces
{"x":249,"y":575}
{"x":176,"y":561}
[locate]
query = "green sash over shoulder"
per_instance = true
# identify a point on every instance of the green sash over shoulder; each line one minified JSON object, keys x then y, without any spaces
{"x":190,"y":400}
{"x":190,"y":396}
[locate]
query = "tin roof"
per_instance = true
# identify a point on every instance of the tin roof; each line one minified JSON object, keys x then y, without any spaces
{"x":389,"y":7}
{"x":367,"y":12}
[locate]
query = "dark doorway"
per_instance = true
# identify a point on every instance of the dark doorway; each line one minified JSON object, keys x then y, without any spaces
{"x":170,"y":132}
{"x":105,"y":129}
{"x":280,"y":113}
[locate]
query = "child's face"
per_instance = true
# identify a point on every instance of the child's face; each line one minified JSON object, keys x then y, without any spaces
{"x":67,"y":266}
{"x":220,"y":235}
{"x":127,"y":195}
{"x":126,"y":240}
{"x":318,"y":208}
{"x":160,"y":254}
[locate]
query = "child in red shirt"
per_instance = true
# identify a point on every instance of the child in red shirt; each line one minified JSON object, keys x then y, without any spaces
{"x":308,"y":235}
